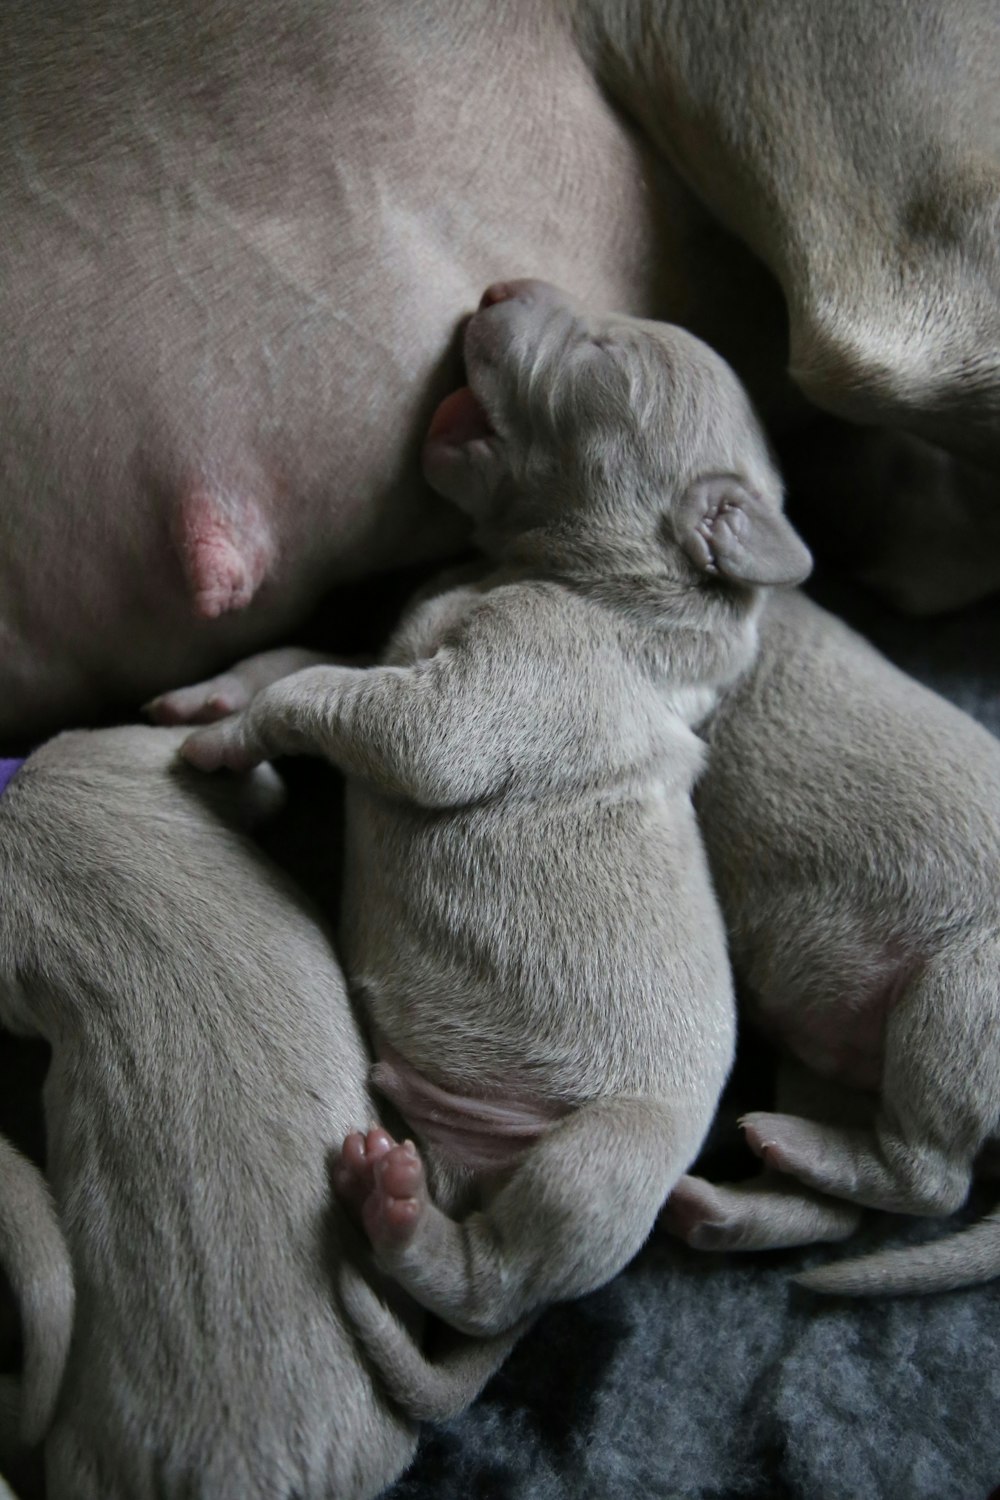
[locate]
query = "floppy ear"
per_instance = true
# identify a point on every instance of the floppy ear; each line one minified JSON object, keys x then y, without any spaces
{"x":730,"y":530}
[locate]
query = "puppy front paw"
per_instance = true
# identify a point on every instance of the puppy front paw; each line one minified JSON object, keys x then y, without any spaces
{"x":202,"y":702}
{"x":229,"y":745}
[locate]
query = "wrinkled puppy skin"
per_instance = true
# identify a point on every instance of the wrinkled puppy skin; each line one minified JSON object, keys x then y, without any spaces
{"x":529,"y":920}
{"x":852,"y":822}
{"x":204,"y":1063}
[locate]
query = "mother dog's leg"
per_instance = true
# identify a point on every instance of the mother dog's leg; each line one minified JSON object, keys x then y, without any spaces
{"x":855,"y":148}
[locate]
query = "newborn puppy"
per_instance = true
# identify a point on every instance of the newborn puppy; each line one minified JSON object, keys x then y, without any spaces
{"x":528,"y":918}
{"x":204,"y":1059}
{"x":852,"y":822}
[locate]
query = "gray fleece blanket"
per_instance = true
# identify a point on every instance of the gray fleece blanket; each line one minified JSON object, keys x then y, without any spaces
{"x":705,"y":1377}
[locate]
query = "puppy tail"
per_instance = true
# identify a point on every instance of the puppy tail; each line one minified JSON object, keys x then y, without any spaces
{"x":35,"y":1257}
{"x":963,"y":1259}
{"x":425,"y":1389}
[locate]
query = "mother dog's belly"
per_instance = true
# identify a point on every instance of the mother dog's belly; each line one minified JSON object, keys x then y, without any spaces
{"x":225,"y":297}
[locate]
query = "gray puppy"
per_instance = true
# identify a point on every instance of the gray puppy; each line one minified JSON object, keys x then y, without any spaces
{"x":204,"y":1061}
{"x":852,"y":821}
{"x":529,"y":918}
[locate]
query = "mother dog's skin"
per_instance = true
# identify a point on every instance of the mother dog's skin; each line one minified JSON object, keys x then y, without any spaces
{"x":204,"y":1062}
{"x":226,"y":285}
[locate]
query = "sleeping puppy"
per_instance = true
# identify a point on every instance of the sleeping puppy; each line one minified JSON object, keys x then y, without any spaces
{"x":529,"y":920}
{"x":204,"y":1060}
{"x":852,"y":822}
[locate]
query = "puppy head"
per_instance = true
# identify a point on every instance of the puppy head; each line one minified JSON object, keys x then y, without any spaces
{"x":613,"y":438}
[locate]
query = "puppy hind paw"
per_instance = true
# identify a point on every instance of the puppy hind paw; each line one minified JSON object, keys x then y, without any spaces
{"x":696,"y":1213}
{"x":392,"y":1211}
{"x":817,"y":1155}
{"x":353,"y":1171}
{"x":769,"y":1137}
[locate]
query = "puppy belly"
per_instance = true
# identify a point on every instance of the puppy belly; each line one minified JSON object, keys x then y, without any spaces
{"x":840,"y":1035}
{"x":843,"y":1044}
{"x":483,"y":1134}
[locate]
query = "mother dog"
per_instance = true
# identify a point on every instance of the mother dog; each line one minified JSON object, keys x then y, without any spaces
{"x":226,"y":285}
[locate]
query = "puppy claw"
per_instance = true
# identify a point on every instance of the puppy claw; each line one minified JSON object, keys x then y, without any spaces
{"x":788,"y":1144}
{"x":758,"y":1137}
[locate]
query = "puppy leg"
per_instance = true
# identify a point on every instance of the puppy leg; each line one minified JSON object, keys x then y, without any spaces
{"x":940,"y":1099}
{"x":416,"y":732}
{"x":767,"y":1212}
{"x":230,"y":692}
{"x":571,"y":1215}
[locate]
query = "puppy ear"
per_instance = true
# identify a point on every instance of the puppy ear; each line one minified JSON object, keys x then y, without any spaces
{"x":728,"y":529}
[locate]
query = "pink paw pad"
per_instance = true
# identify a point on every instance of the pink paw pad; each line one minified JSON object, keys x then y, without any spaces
{"x":392,"y":1210}
{"x":383,"y":1182}
{"x":354,"y":1169}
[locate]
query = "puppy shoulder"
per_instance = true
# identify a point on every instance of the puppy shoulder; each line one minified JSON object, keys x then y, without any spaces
{"x":525,"y":616}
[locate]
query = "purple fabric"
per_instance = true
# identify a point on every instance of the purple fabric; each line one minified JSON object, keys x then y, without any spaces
{"x":8,"y":770}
